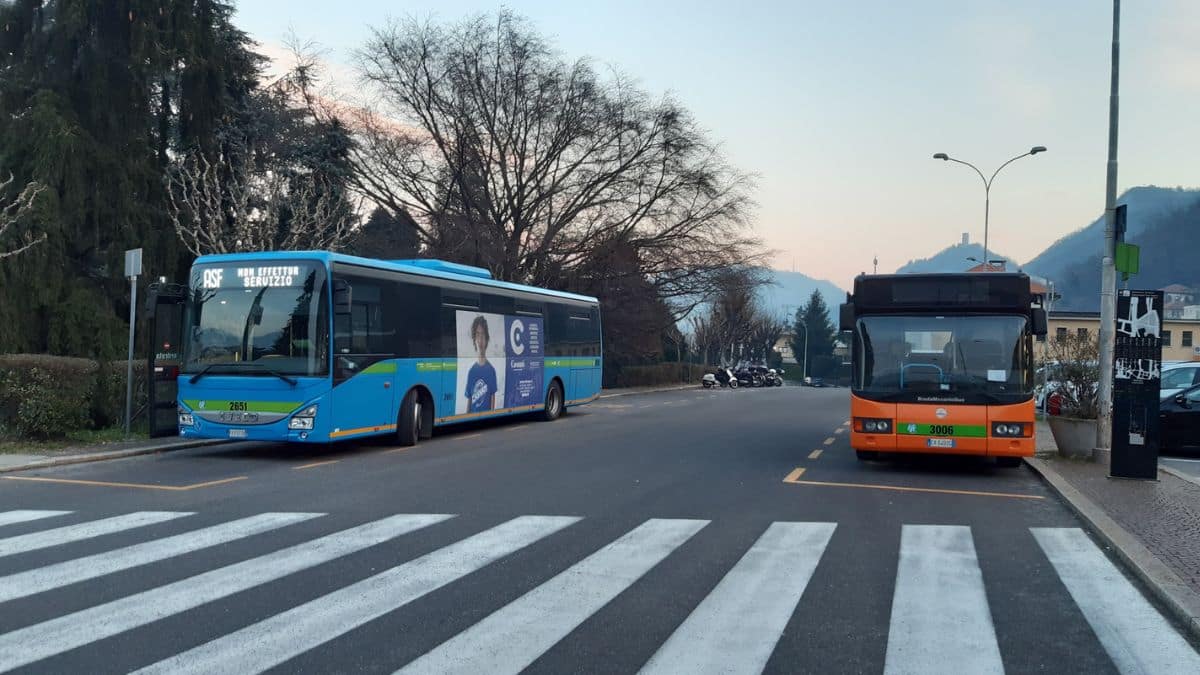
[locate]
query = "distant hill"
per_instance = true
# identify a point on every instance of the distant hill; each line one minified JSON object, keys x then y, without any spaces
{"x":1147,"y":205}
{"x":791,"y":289}
{"x":1170,"y":254}
{"x":951,"y":259}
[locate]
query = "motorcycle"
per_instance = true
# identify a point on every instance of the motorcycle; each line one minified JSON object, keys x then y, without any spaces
{"x":723,"y":377}
{"x":775,"y":377}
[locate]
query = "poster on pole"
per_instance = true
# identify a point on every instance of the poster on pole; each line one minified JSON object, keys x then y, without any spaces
{"x":1137,"y":373}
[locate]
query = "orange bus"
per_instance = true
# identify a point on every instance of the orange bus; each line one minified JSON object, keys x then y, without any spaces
{"x":943,"y":363}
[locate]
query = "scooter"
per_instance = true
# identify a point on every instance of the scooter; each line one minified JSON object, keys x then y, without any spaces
{"x":723,"y":377}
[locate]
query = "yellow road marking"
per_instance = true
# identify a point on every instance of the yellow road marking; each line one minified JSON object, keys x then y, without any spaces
{"x":648,"y":405}
{"x":139,"y":486}
{"x":829,"y":441}
{"x":794,"y":476}
{"x":519,"y":426}
{"x":463,"y":438}
{"x":814,"y":454}
{"x":899,"y":488}
{"x":309,"y":466}
{"x":839,"y":430}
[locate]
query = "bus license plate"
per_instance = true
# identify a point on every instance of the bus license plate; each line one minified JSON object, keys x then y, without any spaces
{"x":237,"y":433}
{"x":940,"y":442}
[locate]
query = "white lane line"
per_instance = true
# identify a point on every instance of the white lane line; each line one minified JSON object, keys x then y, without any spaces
{"x":272,"y":641}
{"x":24,"y":516}
{"x":41,"y":579}
{"x":940,"y":618}
{"x":39,"y":641}
{"x":95,"y":528}
{"x":514,"y":636}
{"x":1135,"y":635}
{"x":735,"y":628}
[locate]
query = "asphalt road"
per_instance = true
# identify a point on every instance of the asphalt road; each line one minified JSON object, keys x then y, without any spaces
{"x":670,"y":532}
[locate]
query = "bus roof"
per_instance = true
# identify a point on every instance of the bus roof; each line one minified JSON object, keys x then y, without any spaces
{"x":967,"y":292}
{"x":426,"y":267}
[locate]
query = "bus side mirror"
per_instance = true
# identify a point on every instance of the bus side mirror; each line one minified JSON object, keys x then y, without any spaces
{"x":341,"y":297}
{"x":846,"y":316}
{"x":1039,"y":321}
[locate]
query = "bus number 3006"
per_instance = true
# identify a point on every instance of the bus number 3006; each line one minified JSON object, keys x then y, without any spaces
{"x":941,"y":430}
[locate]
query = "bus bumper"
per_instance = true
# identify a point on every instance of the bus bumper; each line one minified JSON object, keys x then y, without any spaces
{"x":276,"y":432}
{"x":989,"y":447}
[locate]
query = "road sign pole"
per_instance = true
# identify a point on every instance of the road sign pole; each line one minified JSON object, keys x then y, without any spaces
{"x":1108,"y":272}
{"x":133,"y":268}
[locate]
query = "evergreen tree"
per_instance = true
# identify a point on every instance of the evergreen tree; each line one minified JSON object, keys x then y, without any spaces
{"x":813,"y":317}
{"x":387,"y":237}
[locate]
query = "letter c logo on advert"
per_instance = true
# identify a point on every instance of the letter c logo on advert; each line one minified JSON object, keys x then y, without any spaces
{"x":516,"y":337}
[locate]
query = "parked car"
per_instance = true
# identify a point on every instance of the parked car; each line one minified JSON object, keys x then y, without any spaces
{"x":1180,"y":420}
{"x":1178,"y":376}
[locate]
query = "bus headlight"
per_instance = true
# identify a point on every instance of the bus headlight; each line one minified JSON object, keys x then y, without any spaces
{"x":303,"y":420}
{"x":1008,"y":429}
{"x":186,"y":419}
{"x":874,"y":426}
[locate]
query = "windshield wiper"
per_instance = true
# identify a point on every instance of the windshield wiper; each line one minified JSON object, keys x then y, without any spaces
{"x":241,"y":364}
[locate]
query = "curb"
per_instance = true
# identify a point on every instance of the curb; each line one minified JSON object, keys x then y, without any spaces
{"x":1167,"y":587}
{"x":1179,"y":474}
{"x":618,"y":392}
{"x":112,"y":454}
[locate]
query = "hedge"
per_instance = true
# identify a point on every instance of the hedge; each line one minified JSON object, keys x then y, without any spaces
{"x":44,"y":396}
{"x":658,"y":373}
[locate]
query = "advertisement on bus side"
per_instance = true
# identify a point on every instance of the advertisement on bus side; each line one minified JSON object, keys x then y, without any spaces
{"x":500,"y":362}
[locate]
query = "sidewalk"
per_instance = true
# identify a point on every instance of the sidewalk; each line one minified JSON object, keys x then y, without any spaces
{"x":13,"y":461}
{"x":1152,"y":526}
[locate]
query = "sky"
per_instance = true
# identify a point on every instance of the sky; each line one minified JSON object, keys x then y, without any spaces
{"x":838,"y":107}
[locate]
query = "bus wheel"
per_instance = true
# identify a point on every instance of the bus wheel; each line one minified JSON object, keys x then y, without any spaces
{"x":408,"y":424}
{"x":1008,"y":462}
{"x":866,"y":455}
{"x":554,"y":402}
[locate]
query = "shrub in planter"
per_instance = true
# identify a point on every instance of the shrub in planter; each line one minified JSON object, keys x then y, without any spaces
{"x":45,"y":396}
{"x":1077,"y":380}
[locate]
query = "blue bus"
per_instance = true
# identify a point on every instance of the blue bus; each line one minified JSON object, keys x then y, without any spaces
{"x":314,"y":347}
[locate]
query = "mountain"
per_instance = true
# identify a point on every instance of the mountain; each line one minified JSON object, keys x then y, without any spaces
{"x":950,"y":259}
{"x":790,"y":290}
{"x":1170,"y":254}
{"x":1147,"y":205}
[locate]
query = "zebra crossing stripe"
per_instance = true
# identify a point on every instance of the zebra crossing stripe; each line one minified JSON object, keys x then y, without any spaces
{"x":940,"y":621}
{"x":42,"y":579}
{"x":13,"y":517}
{"x":39,"y":641}
{"x":272,"y":641}
{"x":735,"y":628}
{"x":1137,"y":638}
{"x":511,"y":638}
{"x":95,"y":528}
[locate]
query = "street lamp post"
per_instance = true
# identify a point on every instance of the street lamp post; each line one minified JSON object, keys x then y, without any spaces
{"x":987,"y":186}
{"x":804,"y":368}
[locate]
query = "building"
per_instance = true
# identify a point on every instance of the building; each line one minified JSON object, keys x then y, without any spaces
{"x":1181,"y":337}
{"x":1180,"y":302}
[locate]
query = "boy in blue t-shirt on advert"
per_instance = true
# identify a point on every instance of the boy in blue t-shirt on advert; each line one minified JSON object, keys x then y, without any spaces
{"x":481,"y":379}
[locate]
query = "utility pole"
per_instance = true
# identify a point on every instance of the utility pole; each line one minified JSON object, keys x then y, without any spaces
{"x":1108,"y":272}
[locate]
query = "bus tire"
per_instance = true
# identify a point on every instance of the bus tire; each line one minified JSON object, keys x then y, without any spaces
{"x":554,"y":402}
{"x":1008,"y":462}
{"x":408,"y":422}
{"x":866,"y":455}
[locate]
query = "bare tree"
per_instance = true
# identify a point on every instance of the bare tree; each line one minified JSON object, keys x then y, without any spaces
{"x":231,"y":206}
{"x":11,"y":212}
{"x":512,"y":158}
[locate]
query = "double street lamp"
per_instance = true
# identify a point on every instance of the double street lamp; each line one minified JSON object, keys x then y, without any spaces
{"x":987,"y":185}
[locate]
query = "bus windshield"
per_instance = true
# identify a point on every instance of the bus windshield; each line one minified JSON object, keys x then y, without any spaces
{"x":922,"y":357}
{"x":258,"y":320}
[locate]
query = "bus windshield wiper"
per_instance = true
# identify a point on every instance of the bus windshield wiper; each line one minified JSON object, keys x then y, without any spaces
{"x":241,"y":364}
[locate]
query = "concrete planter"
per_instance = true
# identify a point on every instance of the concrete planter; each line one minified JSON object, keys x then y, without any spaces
{"x":1075,"y":438}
